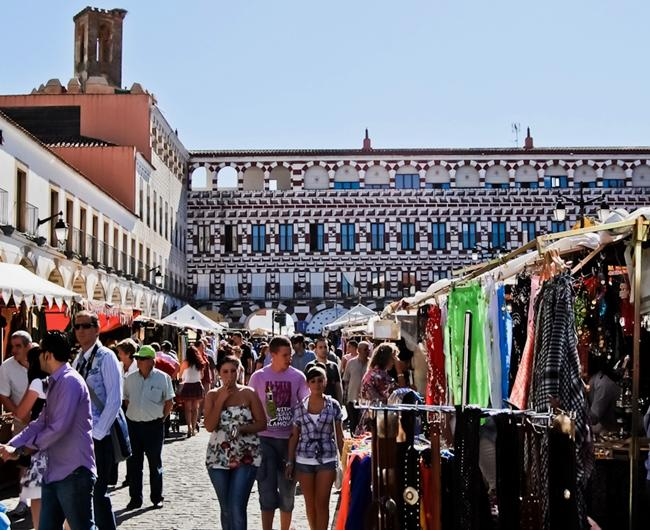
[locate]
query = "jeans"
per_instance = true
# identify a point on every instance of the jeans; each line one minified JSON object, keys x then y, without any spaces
{"x":233,"y":488}
{"x":68,"y":499}
{"x":275,"y":490}
{"x":104,"y":459}
{"x":146,"y":439}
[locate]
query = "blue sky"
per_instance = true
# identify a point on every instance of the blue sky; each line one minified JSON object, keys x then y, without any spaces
{"x":242,"y":74}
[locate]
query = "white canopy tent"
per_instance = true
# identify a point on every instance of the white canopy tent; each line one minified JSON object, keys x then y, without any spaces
{"x":20,"y":283}
{"x":358,"y":315}
{"x":188,"y":317}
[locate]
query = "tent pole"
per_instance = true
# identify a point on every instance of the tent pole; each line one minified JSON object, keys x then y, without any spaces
{"x":639,"y":237}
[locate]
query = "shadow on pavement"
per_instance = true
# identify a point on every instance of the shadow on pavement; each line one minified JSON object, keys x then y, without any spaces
{"x":122,"y":515}
{"x":175,"y":437}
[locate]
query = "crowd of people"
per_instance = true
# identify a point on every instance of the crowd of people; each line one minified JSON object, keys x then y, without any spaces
{"x":274,"y":411}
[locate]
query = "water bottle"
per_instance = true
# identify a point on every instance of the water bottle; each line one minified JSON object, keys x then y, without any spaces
{"x":271,"y":409}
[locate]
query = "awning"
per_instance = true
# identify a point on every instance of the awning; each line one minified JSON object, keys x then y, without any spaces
{"x":188,"y":317}
{"x":20,"y":283}
{"x":358,"y":315}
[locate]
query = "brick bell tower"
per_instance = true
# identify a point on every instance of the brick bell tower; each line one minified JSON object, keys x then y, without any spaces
{"x":98,"y":45}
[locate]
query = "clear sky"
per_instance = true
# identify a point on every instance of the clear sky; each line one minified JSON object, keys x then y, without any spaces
{"x":242,"y":74}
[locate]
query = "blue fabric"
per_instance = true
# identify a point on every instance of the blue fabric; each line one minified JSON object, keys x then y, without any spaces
{"x":360,"y":494}
{"x":233,"y":488}
{"x":68,"y":499}
{"x":505,"y":339}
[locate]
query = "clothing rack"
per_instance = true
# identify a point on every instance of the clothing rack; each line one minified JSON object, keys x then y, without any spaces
{"x":433,"y":408}
{"x":383,"y":477}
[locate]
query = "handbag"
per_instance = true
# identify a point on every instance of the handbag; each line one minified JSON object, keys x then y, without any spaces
{"x":338,"y":481}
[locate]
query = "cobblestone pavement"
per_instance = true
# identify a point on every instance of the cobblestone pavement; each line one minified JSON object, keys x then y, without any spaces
{"x":190,"y":500}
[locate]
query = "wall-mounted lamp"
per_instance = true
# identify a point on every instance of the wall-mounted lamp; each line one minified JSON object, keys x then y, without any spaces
{"x":157,"y":277}
{"x":60,"y":228}
{"x":559,"y":213}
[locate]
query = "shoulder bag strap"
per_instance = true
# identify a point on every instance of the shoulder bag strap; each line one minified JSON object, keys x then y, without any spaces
{"x":93,"y":395}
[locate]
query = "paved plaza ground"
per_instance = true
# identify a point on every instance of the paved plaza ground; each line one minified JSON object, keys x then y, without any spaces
{"x":190,"y":500}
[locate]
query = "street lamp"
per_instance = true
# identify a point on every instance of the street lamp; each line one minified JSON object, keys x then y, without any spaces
{"x":559,"y":213}
{"x":157,"y":278}
{"x":60,"y":228}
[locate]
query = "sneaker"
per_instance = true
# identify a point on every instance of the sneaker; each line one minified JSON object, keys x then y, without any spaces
{"x":20,"y":511}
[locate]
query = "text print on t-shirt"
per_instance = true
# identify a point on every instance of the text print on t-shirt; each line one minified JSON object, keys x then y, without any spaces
{"x":282,"y":398}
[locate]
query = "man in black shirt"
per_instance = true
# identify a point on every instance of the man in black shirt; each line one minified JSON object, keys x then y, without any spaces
{"x":333,"y":387}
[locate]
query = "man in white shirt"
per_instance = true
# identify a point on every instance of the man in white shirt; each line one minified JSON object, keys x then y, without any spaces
{"x":13,"y":384}
{"x":100,"y":369}
{"x":13,"y":372}
{"x":148,"y":394}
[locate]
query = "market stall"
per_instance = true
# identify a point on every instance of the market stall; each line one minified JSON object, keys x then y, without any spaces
{"x":463,"y":323}
{"x":25,"y":298}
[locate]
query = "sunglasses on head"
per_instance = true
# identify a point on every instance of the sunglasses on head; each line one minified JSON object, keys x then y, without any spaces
{"x":85,"y":326}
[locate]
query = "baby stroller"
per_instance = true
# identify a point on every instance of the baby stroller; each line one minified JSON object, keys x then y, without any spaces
{"x":177,"y":415}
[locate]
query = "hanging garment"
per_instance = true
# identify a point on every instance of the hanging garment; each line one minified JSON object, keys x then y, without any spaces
{"x":520,"y":302}
{"x":521,"y":387}
{"x":462,"y":300}
{"x":533,"y":481}
{"x":471,"y":505}
{"x":409,"y":483}
{"x":493,"y":341}
{"x":436,"y":382}
{"x":429,"y":514}
{"x":360,"y":493}
{"x":505,"y":339}
{"x":557,"y":373}
{"x":563,"y":509}
{"x":509,"y":464}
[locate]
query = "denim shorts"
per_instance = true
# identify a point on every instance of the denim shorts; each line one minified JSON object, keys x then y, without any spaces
{"x":312,"y":469}
{"x":276,"y":492}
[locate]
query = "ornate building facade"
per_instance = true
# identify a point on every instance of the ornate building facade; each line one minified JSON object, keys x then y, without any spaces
{"x":313,"y":232}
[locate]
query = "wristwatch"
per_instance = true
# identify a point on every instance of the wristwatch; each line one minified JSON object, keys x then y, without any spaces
{"x":20,"y":451}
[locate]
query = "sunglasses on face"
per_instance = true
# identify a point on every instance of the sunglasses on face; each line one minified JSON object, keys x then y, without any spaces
{"x":85,"y":326}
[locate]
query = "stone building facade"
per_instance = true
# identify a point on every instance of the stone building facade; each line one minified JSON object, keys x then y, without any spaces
{"x":313,"y":232}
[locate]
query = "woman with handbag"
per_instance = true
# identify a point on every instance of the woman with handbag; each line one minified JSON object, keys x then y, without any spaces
{"x":315,"y":446}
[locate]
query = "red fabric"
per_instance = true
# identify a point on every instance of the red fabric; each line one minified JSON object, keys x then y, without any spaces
{"x":436,"y":381}
{"x":108,"y":323}
{"x":165,"y":366}
{"x":427,"y":521}
{"x":56,"y":320}
{"x":627,"y":314}
{"x":344,"y":504}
